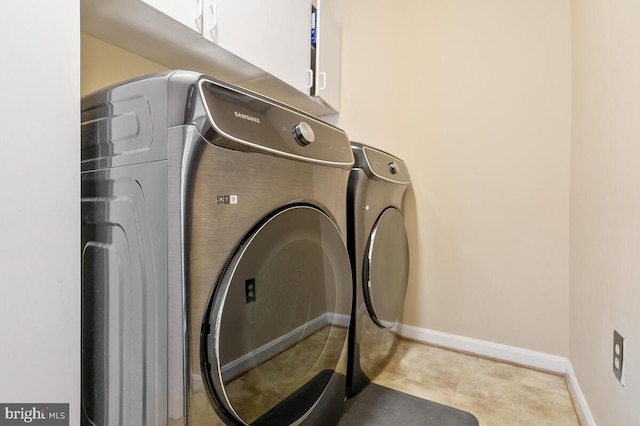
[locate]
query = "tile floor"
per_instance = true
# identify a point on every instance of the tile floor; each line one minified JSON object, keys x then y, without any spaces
{"x":497,"y":394}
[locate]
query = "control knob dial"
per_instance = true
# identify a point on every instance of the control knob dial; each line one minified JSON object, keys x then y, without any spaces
{"x":303,"y":133}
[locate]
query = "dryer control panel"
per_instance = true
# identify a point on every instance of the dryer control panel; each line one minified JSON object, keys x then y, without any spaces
{"x":381,"y":165}
{"x":247,"y":121}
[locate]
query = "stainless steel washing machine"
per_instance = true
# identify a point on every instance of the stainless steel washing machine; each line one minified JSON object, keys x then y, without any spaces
{"x":216,"y":284}
{"x":379,"y":251}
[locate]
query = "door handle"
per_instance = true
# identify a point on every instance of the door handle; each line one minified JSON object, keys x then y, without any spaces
{"x":323,"y":77}
{"x":309,"y":79}
{"x":199,"y":16}
{"x":214,"y":21}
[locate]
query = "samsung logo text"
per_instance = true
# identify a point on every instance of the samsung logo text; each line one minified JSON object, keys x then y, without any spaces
{"x":246,"y":117}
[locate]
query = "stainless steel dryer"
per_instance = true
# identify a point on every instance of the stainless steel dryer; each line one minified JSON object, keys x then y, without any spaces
{"x":216,"y":285}
{"x":379,"y":252}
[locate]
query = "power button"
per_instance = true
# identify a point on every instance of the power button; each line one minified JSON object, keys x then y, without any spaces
{"x":393,"y":168}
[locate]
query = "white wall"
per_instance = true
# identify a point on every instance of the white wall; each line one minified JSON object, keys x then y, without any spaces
{"x":476,"y":97}
{"x":605,"y":204}
{"x":40,"y":208}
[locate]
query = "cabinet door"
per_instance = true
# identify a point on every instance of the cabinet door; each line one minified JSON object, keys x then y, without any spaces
{"x":290,"y":42}
{"x":239,"y":27}
{"x":328,"y":55}
{"x":187,"y":12}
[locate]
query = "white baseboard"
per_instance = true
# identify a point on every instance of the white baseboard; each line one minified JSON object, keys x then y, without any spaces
{"x":512,"y":354}
{"x":525,"y":357}
{"x":586,"y":418}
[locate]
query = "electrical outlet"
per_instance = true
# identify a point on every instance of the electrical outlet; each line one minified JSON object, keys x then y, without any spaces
{"x":250,"y":290}
{"x":618,"y":355}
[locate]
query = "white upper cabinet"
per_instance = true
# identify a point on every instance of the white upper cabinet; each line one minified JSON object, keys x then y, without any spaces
{"x":327,"y":75}
{"x":240,"y":27}
{"x":271,"y":34}
{"x":187,"y":12}
{"x":289,"y":43}
{"x":264,"y":45}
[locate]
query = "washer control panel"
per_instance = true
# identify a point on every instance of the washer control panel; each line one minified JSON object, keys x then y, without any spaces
{"x":247,"y":121}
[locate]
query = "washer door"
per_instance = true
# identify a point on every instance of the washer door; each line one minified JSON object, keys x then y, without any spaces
{"x":386,"y":269}
{"x":277,"y":321}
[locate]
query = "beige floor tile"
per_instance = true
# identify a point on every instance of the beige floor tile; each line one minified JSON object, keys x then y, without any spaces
{"x":483,"y":386}
{"x":539,"y":380}
{"x":428,"y":365}
{"x":432,"y":391}
{"x":542,"y":403}
{"x":496,"y":393}
{"x":491,"y":368}
{"x":444,"y":375}
{"x":560,"y":419}
{"x":487,"y":413}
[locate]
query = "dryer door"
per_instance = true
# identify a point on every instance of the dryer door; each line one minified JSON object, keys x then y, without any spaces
{"x":277,"y":321}
{"x":386,"y":269}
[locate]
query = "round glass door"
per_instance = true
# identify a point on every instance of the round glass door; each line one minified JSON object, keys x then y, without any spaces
{"x":277,"y":321}
{"x":386,"y":269}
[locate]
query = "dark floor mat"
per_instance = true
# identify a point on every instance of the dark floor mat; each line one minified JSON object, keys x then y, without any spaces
{"x":380,"y":406}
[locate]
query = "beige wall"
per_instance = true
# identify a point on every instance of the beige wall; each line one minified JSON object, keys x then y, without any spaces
{"x":476,"y":97}
{"x":103,"y":64}
{"x":605,"y":204}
